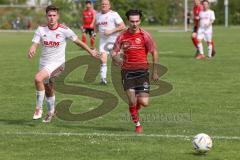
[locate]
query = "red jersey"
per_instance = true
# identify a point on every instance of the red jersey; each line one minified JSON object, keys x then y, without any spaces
{"x":196,"y":10}
{"x":135,"y":47}
{"x":88,"y":16}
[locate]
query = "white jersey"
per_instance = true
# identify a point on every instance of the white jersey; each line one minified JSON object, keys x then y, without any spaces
{"x":53,"y":43}
{"x":205,"y":18}
{"x":109,"y":20}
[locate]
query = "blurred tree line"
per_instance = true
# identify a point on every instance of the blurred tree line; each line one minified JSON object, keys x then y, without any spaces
{"x":159,"y":12}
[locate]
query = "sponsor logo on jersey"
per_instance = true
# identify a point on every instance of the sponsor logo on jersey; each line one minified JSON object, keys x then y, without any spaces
{"x":138,"y":41}
{"x":51,"y":43}
{"x":57,"y":35}
{"x":102,"y":23}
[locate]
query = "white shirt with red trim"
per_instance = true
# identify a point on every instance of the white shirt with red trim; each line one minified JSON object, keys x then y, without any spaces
{"x":109,"y":21}
{"x":53,"y":43}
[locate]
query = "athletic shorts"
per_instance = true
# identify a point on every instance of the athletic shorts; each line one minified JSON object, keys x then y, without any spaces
{"x":53,"y":69}
{"x":205,"y":34}
{"x":106,"y":44}
{"x":195,"y":29}
{"x":89,"y":31}
{"x":137,"y":80}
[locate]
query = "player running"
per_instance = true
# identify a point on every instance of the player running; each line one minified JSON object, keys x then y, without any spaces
{"x":136,"y":43}
{"x":89,"y":17}
{"x":198,"y":7}
{"x":205,"y":31}
{"x":52,"y":38}
{"x":108,"y":24}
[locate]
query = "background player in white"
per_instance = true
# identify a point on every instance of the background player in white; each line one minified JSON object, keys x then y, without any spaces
{"x":205,"y":30}
{"x":108,"y":24}
{"x":52,"y":37}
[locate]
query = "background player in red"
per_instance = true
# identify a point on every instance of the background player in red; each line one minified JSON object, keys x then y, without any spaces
{"x":136,"y":43}
{"x":198,"y":7}
{"x":89,"y":16}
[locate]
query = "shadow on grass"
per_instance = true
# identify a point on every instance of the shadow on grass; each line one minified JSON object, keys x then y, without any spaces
{"x":20,"y":122}
{"x":93,"y":128}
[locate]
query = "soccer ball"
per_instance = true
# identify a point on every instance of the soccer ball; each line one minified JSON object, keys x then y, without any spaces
{"x":202,"y":143}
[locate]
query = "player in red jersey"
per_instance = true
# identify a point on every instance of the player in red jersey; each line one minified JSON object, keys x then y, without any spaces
{"x":198,"y":7}
{"x":89,"y":16}
{"x":135,"y":43}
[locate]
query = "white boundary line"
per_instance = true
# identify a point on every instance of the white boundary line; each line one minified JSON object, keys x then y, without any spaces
{"x":186,"y":137}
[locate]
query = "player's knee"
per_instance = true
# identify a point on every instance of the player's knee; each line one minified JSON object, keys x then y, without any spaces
{"x":194,"y":35}
{"x":38,"y":79}
{"x":143,"y":102}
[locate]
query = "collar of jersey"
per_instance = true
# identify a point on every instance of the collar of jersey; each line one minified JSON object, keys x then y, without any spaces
{"x":54,"y":28}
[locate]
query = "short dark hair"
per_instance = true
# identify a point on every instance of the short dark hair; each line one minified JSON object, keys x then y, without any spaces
{"x":88,"y":1}
{"x":205,"y":1}
{"x":133,"y":12}
{"x":52,"y":8}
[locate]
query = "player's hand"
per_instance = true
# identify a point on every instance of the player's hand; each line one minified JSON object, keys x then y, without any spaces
{"x":95,"y":53}
{"x":155,"y":76}
{"x":91,"y":25}
{"x":108,"y":32}
{"x":94,"y":35}
{"x":31,"y":52}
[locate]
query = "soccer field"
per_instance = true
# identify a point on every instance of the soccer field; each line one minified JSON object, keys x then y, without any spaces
{"x":204,"y":98}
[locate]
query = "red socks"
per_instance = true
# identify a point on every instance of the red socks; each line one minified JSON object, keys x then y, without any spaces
{"x":195,"y":42}
{"x":84,"y":38}
{"x":134,"y":113}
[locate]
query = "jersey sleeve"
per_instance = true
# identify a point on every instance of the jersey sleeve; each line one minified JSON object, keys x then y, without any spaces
{"x":37,"y":36}
{"x":212,"y":16}
{"x":149,"y":42}
{"x":117,"y":18}
{"x":118,"y":44}
{"x":70,"y":34}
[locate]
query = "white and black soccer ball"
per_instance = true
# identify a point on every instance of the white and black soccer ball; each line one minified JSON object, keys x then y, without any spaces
{"x":202,"y":143}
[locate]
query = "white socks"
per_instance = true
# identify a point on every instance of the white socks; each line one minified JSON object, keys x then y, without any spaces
{"x":210,"y":48}
{"x":50,"y":104}
{"x":200,"y":48}
{"x":40,"y":97}
{"x":103,"y":71}
{"x":50,"y":101}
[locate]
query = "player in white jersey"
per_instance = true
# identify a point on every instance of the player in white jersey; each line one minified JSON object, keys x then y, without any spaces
{"x":108,"y":24}
{"x":52,"y":38}
{"x":205,"y":30}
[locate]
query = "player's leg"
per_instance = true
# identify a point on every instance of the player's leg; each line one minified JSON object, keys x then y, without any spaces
{"x":92,"y":38}
{"x":213,"y":49}
{"x":200,"y":37}
{"x":50,"y":100}
{"x":84,"y":36}
{"x":55,"y":70}
{"x":194,"y":39}
{"x":208,"y":38}
{"x":40,"y":92}
{"x":133,"y":109}
{"x":103,"y":68}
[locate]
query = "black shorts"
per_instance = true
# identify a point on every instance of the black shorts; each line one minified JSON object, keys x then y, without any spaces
{"x":89,"y":31}
{"x":136,"y":79}
{"x":195,"y":29}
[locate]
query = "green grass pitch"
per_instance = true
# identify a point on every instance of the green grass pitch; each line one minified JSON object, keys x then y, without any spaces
{"x":205,"y":98}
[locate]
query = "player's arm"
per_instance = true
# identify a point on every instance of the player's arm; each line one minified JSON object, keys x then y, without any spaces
{"x":32,"y":50}
{"x":115,"y":52}
{"x":93,"y":53}
{"x":120,"y":27}
{"x":93,"y":21}
{"x":155,"y":65}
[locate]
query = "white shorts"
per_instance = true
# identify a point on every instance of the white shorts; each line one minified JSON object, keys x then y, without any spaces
{"x":53,"y":69}
{"x":106,"y":45}
{"x":205,"y":34}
